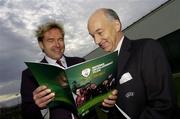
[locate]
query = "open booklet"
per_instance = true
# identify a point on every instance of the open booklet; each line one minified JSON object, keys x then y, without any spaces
{"x":81,"y":87}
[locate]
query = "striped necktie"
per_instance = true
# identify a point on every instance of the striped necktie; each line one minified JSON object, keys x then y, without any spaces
{"x":59,"y":62}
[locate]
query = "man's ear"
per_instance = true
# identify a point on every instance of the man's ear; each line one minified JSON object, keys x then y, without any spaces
{"x":41,"y":45}
{"x":117,"y":25}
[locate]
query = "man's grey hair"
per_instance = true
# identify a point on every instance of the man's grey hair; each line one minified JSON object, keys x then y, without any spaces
{"x":111,"y":14}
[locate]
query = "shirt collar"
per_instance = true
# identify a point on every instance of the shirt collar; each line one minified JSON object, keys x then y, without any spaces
{"x":53,"y":62}
{"x":118,"y":48}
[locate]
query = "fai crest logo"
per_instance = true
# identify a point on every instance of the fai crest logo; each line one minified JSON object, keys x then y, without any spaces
{"x":86,"y":72}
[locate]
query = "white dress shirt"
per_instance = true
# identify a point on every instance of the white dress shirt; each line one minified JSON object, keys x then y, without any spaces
{"x":53,"y":62}
{"x":119,"y":45}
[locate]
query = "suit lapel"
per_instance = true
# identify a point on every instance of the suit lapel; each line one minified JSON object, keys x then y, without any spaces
{"x":68,"y":61}
{"x":123,"y":55}
{"x":44,"y":60}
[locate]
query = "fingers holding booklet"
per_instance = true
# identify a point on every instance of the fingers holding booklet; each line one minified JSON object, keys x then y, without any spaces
{"x":42,"y":96}
{"x":79,"y":88}
{"x":110,"y":101}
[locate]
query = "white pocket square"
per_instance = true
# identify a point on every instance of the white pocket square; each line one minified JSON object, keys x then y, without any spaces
{"x":125,"y":77}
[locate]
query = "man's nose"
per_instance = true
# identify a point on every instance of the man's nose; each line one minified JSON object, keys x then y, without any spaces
{"x":97,"y":39}
{"x":57,"y":43}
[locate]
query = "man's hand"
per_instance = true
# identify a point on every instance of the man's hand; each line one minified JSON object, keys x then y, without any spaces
{"x":111,"y":100}
{"x":42,"y":96}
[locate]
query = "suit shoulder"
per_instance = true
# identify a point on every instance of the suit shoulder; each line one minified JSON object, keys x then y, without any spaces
{"x":78,"y":58}
{"x":27,"y":72}
{"x":146,"y":43}
{"x":75,"y":59}
{"x":150,"y":47}
{"x":143,"y":41}
{"x":147,"y":46}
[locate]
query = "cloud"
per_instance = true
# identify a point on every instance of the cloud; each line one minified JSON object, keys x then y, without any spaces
{"x":7,"y":100}
{"x":19,"y":19}
{"x":14,"y":51}
{"x":9,"y":87}
{"x":23,"y":16}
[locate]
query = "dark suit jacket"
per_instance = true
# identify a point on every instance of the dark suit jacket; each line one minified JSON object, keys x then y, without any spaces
{"x":148,"y":95}
{"x":29,"y":109}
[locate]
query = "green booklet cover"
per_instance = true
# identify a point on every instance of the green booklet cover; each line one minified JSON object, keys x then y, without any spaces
{"x":81,"y":87}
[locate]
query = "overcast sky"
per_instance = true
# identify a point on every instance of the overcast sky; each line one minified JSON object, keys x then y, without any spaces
{"x":20,"y":18}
